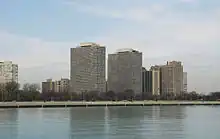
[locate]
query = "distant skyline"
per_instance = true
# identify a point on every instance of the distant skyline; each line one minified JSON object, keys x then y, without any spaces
{"x":37,"y":35}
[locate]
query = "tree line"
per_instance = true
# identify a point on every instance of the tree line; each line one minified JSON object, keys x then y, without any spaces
{"x":31,"y":92}
{"x":11,"y":91}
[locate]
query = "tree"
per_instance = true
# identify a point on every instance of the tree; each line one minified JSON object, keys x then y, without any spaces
{"x":74,"y":96}
{"x":193,"y":95}
{"x":31,"y":91}
{"x":2,"y":91}
{"x":139,"y":97}
{"x":129,"y":94}
{"x":214,"y":95}
{"x":31,"y":87}
{"x":110,"y":95}
{"x":12,"y":90}
{"x":92,"y":95}
{"x":121,"y":96}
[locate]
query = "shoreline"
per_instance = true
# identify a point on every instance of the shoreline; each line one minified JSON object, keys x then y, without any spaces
{"x":56,"y":104}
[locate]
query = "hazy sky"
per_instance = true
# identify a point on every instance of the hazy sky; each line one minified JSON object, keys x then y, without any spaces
{"x":38,"y":34}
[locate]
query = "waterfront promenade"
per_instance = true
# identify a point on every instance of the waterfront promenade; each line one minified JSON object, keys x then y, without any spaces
{"x":40,"y":104}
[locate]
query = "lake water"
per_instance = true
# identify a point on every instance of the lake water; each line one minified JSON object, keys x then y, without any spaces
{"x":150,"y":122}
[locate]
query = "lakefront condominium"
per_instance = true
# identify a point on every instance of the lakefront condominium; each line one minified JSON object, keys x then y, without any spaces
{"x":156,"y":80}
{"x":8,"y":72}
{"x":87,"y":71}
{"x":172,"y":78}
{"x":125,"y":71}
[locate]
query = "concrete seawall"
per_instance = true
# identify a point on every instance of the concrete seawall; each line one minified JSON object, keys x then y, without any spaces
{"x":103,"y":104}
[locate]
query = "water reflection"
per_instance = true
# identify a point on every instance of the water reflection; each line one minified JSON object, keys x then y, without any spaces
{"x":8,"y":123}
{"x":43,"y":123}
{"x":163,"y":122}
{"x":107,"y":121}
{"x":87,"y":123}
{"x":153,"y":122}
{"x":127,"y":122}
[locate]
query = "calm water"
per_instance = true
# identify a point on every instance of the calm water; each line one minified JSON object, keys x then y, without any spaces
{"x":166,"y":122}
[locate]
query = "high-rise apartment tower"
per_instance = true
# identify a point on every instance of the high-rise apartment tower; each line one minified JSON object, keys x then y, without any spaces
{"x":8,"y":72}
{"x":125,"y":71}
{"x":87,"y":71}
{"x":156,"y":80}
{"x":172,"y":78}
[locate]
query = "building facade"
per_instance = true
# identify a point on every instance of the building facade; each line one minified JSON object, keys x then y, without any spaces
{"x":59,"y":86}
{"x":62,"y":85}
{"x":125,"y":71}
{"x":146,"y":82}
{"x":48,"y":86}
{"x":8,"y":72}
{"x":185,"y":86}
{"x":88,"y":68}
{"x":172,"y":78}
{"x":156,"y":80}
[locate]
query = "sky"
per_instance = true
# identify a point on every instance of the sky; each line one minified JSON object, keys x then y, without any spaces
{"x":38,"y":35}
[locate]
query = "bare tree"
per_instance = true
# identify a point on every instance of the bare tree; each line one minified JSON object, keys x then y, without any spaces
{"x":2,"y":91}
{"x":31,"y":91}
{"x":27,"y":87}
{"x":11,"y":88}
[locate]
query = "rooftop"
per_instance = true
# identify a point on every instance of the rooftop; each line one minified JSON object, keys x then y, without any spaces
{"x":144,"y":69}
{"x":88,"y":44}
{"x":174,"y":63}
{"x":156,"y":67}
{"x":64,"y":79}
{"x":5,"y":61}
{"x":124,"y":50}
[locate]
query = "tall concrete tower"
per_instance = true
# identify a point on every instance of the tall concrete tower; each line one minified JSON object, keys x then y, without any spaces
{"x":87,"y":71}
{"x":172,"y":78}
{"x":125,"y":71}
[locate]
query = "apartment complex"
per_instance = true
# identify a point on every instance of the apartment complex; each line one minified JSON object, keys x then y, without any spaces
{"x":125,"y":71}
{"x":156,"y":80}
{"x":60,"y":86}
{"x":48,"y":86}
{"x":146,"y":82}
{"x":8,"y":72}
{"x":185,"y":87}
{"x":172,"y":78}
{"x":88,"y":68}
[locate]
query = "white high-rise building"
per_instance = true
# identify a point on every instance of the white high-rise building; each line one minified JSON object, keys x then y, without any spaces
{"x":87,"y":71}
{"x":156,"y":80}
{"x":8,"y":72}
{"x":125,"y":71}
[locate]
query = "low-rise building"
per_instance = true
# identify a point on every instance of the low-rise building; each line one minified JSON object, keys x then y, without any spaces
{"x":59,"y":86}
{"x":48,"y":86}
